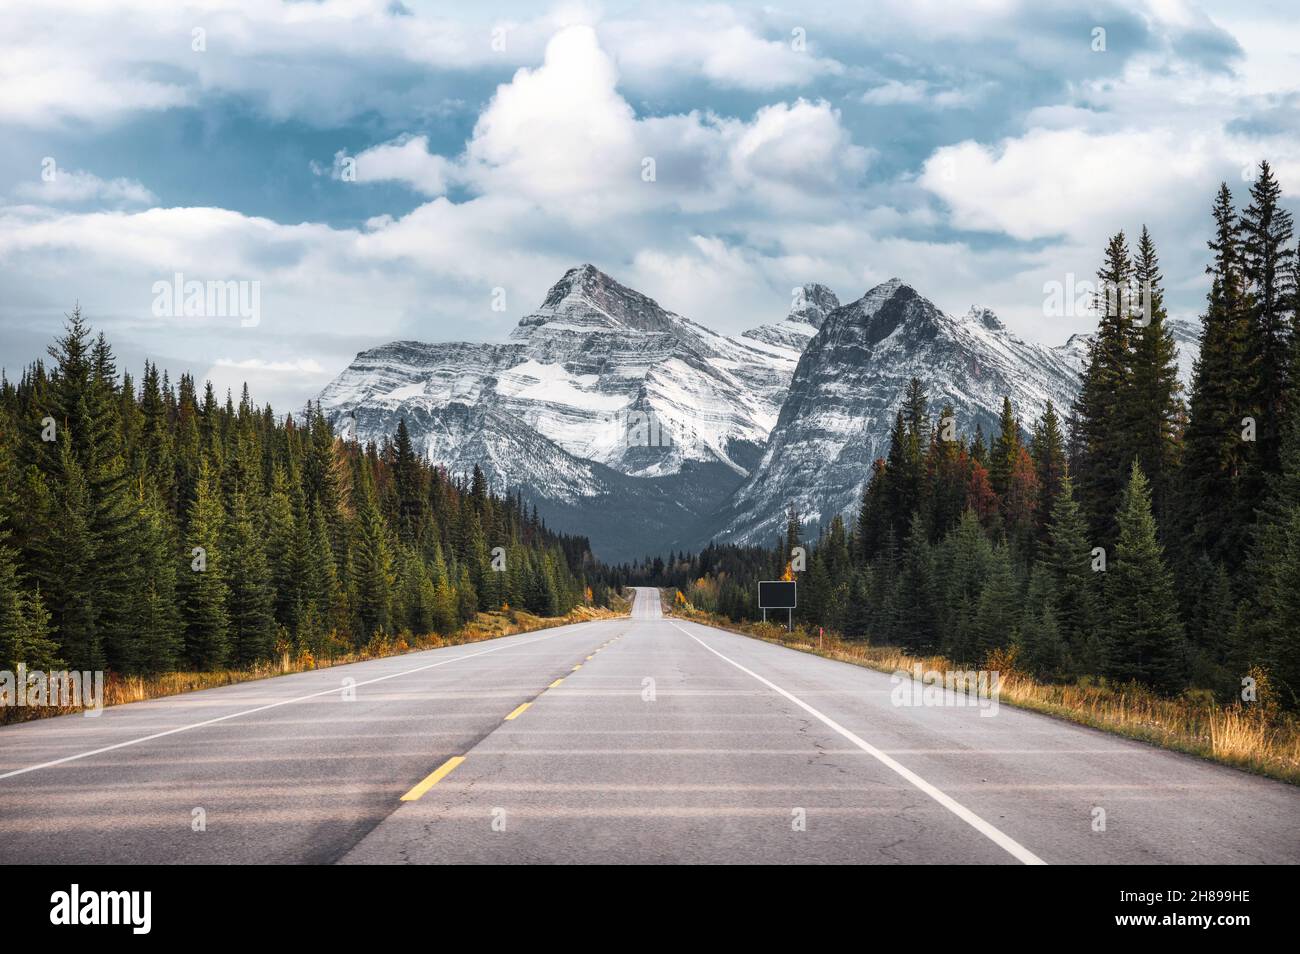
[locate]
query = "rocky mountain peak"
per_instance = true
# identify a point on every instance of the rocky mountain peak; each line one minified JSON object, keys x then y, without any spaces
{"x":587,"y":297}
{"x":812,"y":304}
{"x":985,"y":317}
{"x":882,"y":311}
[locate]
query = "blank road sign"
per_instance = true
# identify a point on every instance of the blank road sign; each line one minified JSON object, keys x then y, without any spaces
{"x":776,"y":594}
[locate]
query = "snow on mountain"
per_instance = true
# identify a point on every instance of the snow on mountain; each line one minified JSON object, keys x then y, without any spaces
{"x":647,"y":431}
{"x":850,"y":382}
{"x":1187,"y":336}
{"x":598,"y":384}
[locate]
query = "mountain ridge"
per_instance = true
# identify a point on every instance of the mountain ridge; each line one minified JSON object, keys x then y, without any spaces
{"x":649,"y":431}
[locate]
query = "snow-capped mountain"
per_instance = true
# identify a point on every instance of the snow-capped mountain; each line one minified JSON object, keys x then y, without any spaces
{"x":599,"y":370}
{"x":647,"y":431}
{"x":601,"y":398}
{"x":849,"y":385}
{"x":1187,"y":336}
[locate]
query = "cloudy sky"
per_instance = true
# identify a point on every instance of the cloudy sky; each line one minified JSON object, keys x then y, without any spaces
{"x":380,"y":168}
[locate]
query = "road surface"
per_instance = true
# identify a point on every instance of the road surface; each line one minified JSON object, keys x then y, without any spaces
{"x":639,"y":739}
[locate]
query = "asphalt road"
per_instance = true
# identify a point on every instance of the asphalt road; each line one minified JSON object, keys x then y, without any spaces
{"x":628,"y":740}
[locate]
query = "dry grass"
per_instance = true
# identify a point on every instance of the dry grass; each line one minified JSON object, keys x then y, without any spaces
{"x":1258,"y":738}
{"x":119,"y":690}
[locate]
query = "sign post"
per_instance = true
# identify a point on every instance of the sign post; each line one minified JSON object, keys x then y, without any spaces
{"x":778,"y":594}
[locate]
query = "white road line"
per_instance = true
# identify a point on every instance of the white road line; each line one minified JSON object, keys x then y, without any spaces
{"x":994,"y":834}
{"x":272,"y":705}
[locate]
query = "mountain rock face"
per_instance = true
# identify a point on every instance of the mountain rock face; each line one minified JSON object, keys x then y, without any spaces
{"x":1187,"y":336}
{"x":601,"y":399}
{"x":850,"y":382}
{"x":648,"y":432}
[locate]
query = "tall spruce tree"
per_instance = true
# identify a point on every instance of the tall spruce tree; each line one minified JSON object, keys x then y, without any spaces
{"x":203,"y":587}
{"x":1144,"y":636}
{"x":1154,"y":413}
{"x":1268,"y":269}
{"x":1102,"y":454}
{"x":1075,"y":583}
{"x":1048,"y":452}
{"x":1215,"y":457}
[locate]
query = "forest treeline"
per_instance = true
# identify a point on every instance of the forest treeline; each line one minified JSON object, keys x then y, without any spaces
{"x":147,"y":529}
{"x":1143,"y":534}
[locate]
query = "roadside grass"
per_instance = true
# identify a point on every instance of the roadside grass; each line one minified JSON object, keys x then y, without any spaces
{"x":119,"y":689}
{"x":1258,"y":738}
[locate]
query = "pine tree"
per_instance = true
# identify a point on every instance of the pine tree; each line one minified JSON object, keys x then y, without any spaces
{"x":1281,"y":648}
{"x":997,"y":616}
{"x":1102,"y":449}
{"x":966,"y":555}
{"x":1144,"y":638}
{"x":947,"y":474}
{"x":207,"y":644}
{"x":1042,"y":647}
{"x":24,"y":623}
{"x":286,"y":555}
{"x":1019,"y":507}
{"x":1268,"y":270}
{"x":1075,"y":584}
{"x":1048,"y":452}
{"x":1155,"y":411}
{"x":372,"y":582}
{"x":1005,"y":450}
{"x":64,"y":559}
{"x":917,"y":629}
{"x":903,"y":477}
{"x":158,"y":642}
{"x":250,"y":599}
{"x":1270,"y":625}
{"x":1215,"y":457}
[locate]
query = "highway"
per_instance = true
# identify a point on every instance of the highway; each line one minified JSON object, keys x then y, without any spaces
{"x":642,"y":739}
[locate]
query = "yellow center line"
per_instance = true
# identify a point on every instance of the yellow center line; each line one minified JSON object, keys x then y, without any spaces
{"x":576,"y":668}
{"x":434,"y":777}
{"x":589,"y":657}
{"x":556,"y":683}
{"x":519,"y":710}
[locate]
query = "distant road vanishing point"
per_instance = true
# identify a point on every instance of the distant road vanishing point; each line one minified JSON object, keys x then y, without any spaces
{"x":641,"y":739}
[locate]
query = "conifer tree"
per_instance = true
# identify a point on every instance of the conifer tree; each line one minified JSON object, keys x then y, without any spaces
{"x":1042,"y":648}
{"x":1144,"y":637}
{"x":207,"y":641}
{"x":1268,"y":270}
{"x":249,"y":595}
{"x":1101,"y":447}
{"x":1005,"y":450}
{"x":1075,"y":583}
{"x":916,"y":624}
{"x":1215,"y":456}
{"x":372,"y":563}
{"x":1154,"y":411}
{"x":997,"y":615}
{"x":24,"y":623}
{"x":1048,"y":452}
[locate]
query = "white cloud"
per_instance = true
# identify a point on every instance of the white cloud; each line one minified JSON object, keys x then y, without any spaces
{"x":77,"y":186}
{"x":743,"y":206}
{"x":715,"y":44}
{"x":321,"y":62}
{"x":405,"y":160}
{"x":895,"y":93}
{"x":802,"y":148}
{"x":562,"y":135}
{"x":1054,"y":182}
